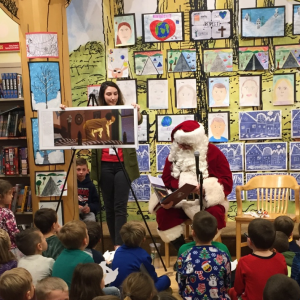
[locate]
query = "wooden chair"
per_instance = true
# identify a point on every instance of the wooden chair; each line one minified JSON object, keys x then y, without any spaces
{"x":272,"y":195}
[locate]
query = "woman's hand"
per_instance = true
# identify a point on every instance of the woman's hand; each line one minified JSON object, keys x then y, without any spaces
{"x":138,"y":109}
{"x":62,"y":106}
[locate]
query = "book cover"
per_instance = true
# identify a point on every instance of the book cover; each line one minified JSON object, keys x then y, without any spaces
{"x":25,"y":198}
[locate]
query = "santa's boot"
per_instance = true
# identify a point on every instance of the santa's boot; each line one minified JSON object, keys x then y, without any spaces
{"x":177,"y":243}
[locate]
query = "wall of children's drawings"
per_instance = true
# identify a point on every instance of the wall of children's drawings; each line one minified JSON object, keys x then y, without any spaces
{"x":231,"y":63}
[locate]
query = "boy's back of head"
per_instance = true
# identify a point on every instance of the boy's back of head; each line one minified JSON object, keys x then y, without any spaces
{"x":281,"y":287}
{"x":281,"y":243}
{"x":94,"y":232}
{"x":132,"y":234}
{"x":27,"y":240}
{"x":205,"y":226}
{"x":16,"y":284}
{"x":44,"y":219}
{"x":261,"y":233}
{"x":72,"y":234}
{"x":284,"y":224}
{"x":49,"y":287}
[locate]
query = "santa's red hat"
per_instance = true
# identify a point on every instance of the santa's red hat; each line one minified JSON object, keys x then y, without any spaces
{"x":188,"y":132}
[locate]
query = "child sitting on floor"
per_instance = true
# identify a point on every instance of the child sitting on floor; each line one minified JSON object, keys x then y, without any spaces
{"x":7,"y":259}
{"x":130,"y":256}
{"x":52,"y":288}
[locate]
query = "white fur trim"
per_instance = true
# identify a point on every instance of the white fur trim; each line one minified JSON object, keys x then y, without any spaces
{"x":191,"y":208}
{"x":187,"y":177}
{"x":171,"y":234}
{"x":152,"y":203}
{"x":189,"y":138}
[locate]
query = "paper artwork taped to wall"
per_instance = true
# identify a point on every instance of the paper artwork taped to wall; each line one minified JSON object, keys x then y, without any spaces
{"x":260,"y":125}
{"x":295,"y":113}
{"x":44,"y":85}
{"x":41,"y":44}
{"x":125,"y":33}
{"x":143,"y":157}
{"x":238,"y":179}
{"x":218,"y":127}
{"x":49,"y":184}
{"x":166,"y":123}
{"x":217,"y":60}
{"x":162,"y":152}
{"x":265,"y":156}
{"x":44,"y":157}
{"x":93,"y":90}
{"x":211,"y":24}
{"x":234,"y":152}
{"x":283,"y":89}
{"x":182,"y":60}
{"x":218,"y":91}
{"x":157,"y":95}
{"x":142,"y":189}
{"x":143,"y":130}
{"x":254,"y":58}
{"x":287,"y":56}
{"x":294,"y":156}
{"x":148,"y":62}
{"x":167,"y":27}
{"x":250,"y":90}
{"x":117,"y":63}
{"x":128,"y":90}
{"x":296,"y":19}
{"x":251,"y":195}
{"x":263,"y":21}
{"x":297,"y":177}
{"x":186,"y":93}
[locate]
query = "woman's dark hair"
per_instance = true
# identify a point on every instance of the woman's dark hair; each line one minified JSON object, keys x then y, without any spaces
{"x":103,"y":88}
{"x":86,"y":282}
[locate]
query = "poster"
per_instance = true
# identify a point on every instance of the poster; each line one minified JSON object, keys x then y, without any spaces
{"x":148,"y":62}
{"x":117,"y":63}
{"x":182,"y":60}
{"x":186,"y":93}
{"x":217,"y":60}
{"x":125,"y":33}
{"x":218,"y":91}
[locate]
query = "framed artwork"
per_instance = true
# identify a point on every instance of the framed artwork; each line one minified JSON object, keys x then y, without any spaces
{"x":166,"y":27}
{"x":183,"y":60}
{"x":53,"y":205}
{"x":143,"y":130}
{"x":211,"y":24}
{"x":157,"y":93}
{"x":234,"y":152}
{"x":93,"y":89}
{"x":218,"y":127}
{"x":125,"y":32}
{"x":186,"y":93}
{"x":218,"y":91}
{"x":166,"y":123}
{"x":263,"y":21}
{"x":250,"y":90}
{"x":142,"y":189}
{"x":260,"y":125}
{"x":252,"y":194}
{"x":295,"y":123}
{"x":48,"y":184}
{"x":287,"y":56}
{"x":148,"y":62}
{"x":284,"y":92}
{"x":238,"y":179}
{"x":117,"y":63}
{"x":90,"y":127}
{"x":297,"y":177}
{"x":44,"y":157}
{"x":254,"y":58}
{"x":162,"y":152}
{"x":265,"y":157}
{"x":45,"y":87}
{"x":41,"y":44}
{"x":294,"y":156}
{"x":128,"y":90}
{"x":217,"y":60}
{"x":143,"y":157}
{"x":296,"y":19}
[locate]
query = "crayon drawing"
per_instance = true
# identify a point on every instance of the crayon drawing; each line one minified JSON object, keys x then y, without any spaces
{"x":157,"y":93}
{"x":296,"y":19}
{"x":128,"y":89}
{"x":263,"y":22}
{"x":283,"y":89}
{"x":148,"y":62}
{"x":182,"y":60}
{"x":141,"y":188}
{"x":143,"y":157}
{"x":234,"y":153}
{"x":295,"y":123}
{"x":217,"y":60}
{"x":218,"y":127}
{"x":254,"y":58}
{"x":143,"y":130}
{"x":117,"y":63}
{"x":186,"y":93}
{"x":250,"y":90}
{"x":93,"y":90}
{"x":294,"y":156}
{"x":238,"y":179}
{"x":297,"y":177}
{"x":162,"y":152}
{"x":218,"y":91}
{"x":287,"y":56}
{"x":125,"y":34}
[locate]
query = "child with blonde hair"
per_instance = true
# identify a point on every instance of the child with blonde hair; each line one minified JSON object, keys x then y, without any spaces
{"x":52,"y":288}
{"x":7,"y":259}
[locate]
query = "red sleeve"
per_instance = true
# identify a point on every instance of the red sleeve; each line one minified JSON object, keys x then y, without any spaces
{"x":239,"y":283}
{"x":169,"y":181}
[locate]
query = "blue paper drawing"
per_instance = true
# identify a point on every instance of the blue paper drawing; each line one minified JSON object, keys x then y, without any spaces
{"x":143,"y":157}
{"x":266,"y":156}
{"x":44,"y":85}
{"x":141,"y":188}
{"x":297,"y":176}
{"x":238,"y":179}
{"x":295,"y":123}
{"x":296,"y":19}
{"x":234,"y":153}
{"x":162,"y":152}
{"x":251,"y":195}
{"x":260,"y":124}
{"x":294,"y":156}
{"x":44,"y":157}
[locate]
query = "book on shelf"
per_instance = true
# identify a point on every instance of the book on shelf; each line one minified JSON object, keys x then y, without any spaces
{"x":21,"y":199}
{"x":13,"y":122}
{"x":16,"y":192}
{"x":11,"y":85}
{"x":14,"y":161}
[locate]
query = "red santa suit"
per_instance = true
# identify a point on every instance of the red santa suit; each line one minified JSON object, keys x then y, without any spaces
{"x":217,"y":183}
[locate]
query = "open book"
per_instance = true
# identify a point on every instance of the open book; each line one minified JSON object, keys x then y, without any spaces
{"x":165,"y":195}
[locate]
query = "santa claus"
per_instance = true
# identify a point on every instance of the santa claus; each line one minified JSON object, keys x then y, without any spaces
{"x":180,"y":168}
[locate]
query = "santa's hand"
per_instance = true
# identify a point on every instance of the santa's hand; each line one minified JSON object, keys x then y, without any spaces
{"x":167,"y":206}
{"x":196,"y":190}
{"x":62,"y":106}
